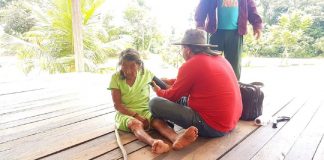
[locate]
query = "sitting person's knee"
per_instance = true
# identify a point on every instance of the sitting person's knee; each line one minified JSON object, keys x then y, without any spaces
{"x":156,"y":123}
{"x":135,"y":124}
{"x":154,"y":103}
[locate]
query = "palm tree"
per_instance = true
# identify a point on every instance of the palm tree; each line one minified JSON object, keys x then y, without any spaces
{"x":48,"y":45}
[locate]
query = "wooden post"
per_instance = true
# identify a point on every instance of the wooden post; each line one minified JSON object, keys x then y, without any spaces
{"x":77,"y":35}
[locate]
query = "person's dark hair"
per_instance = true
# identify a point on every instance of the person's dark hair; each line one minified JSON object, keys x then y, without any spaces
{"x":201,"y":49}
{"x":130,"y":55}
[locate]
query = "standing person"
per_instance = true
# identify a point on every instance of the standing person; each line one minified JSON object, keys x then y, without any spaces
{"x":227,"y":23}
{"x":130,"y":93}
{"x":208,"y":80}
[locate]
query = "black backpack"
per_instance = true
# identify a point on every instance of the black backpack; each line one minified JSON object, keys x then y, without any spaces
{"x":252,"y":99}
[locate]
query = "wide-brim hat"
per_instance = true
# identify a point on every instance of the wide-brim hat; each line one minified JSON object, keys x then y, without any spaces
{"x":195,"y":37}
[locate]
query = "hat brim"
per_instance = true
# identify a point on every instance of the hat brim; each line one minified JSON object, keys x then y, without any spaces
{"x":203,"y":45}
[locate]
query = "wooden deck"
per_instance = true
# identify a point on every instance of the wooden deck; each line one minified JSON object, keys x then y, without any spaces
{"x":71,"y":116}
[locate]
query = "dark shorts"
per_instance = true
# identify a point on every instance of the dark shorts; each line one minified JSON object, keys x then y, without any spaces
{"x":182,"y":116}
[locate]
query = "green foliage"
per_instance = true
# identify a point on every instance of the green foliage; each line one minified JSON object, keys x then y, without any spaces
{"x":88,"y":8}
{"x":39,"y":32}
{"x":16,"y":18}
{"x":172,"y":56}
{"x":142,"y":27}
{"x":3,"y":3}
{"x":291,"y":29}
{"x":295,"y":21}
{"x":264,"y":47}
{"x":289,"y":33}
{"x":49,"y":45}
{"x":271,"y":10}
{"x":316,"y":30}
{"x":286,"y":39}
{"x":319,"y":45}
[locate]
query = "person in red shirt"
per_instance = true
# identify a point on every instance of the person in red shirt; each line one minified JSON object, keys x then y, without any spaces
{"x":208,"y":80}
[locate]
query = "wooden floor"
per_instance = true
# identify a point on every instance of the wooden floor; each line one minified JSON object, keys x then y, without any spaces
{"x":71,"y":116}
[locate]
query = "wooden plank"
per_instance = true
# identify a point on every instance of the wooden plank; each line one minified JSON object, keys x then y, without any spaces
{"x":69,"y":109}
{"x":80,"y":140}
{"x":214,"y":147}
{"x":21,"y":100}
{"x":38,"y":127}
{"x":200,"y":146}
{"x":54,"y":80}
{"x":252,"y":144}
{"x":116,"y":153}
{"x":281,"y":143}
{"x":306,"y":145}
{"x":38,"y":109}
{"x":43,"y":130}
{"x":56,"y":83}
{"x":48,"y":128}
{"x":24,"y":100}
{"x":319,"y":155}
{"x":27,"y":84}
{"x":102,"y":147}
{"x":275,"y":103}
{"x":51,"y":105}
{"x":12,"y":88}
{"x":133,"y":147}
{"x":93,"y":148}
{"x":58,"y":139}
{"x":81,"y":99}
{"x":30,"y":89}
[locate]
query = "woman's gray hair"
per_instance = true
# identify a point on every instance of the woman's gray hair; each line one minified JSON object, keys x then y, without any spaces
{"x":130,"y":54}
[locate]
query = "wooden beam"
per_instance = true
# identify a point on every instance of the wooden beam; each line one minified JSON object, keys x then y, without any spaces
{"x":77,"y":35}
{"x":282,"y":142}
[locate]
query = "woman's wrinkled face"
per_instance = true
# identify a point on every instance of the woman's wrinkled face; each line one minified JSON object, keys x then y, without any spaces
{"x":129,"y":68}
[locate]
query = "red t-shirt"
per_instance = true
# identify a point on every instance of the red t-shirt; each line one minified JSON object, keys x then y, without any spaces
{"x":212,"y":89}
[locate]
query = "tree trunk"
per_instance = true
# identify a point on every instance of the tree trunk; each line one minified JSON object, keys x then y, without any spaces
{"x":77,"y":35}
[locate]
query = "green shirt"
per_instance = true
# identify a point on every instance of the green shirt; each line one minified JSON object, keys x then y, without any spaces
{"x":135,"y":97}
{"x":228,"y":13}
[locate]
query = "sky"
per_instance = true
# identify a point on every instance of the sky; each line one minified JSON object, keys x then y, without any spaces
{"x":169,"y":13}
{"x":174,"y":12}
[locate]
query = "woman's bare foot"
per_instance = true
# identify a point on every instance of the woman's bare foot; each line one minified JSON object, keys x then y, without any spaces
{"x":186,"y":138}
{"x":159,"y":146}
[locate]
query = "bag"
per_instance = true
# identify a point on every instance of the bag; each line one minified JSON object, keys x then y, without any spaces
{"x":252,"y":99}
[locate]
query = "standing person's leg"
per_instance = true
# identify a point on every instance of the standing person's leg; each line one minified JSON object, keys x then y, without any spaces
{"x":233,"y":45}
{"x":217,"y":38}
{"x":158,"y":146}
